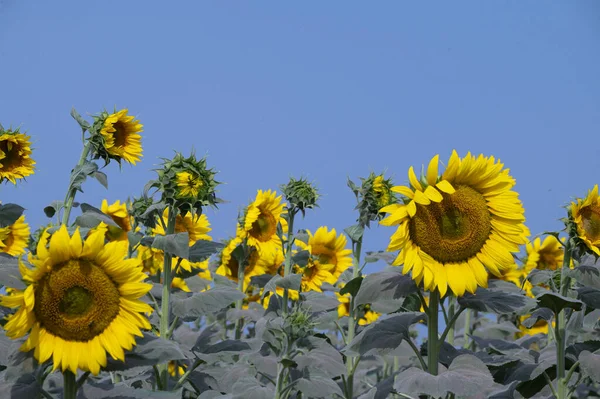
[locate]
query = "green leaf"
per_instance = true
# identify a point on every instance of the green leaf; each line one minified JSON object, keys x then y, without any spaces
{"x":352,"y":286}
{"x":82,"y":122}
{"x":384,"y":335}
{"x":249,"y":388}
{"x":538,"y":314}
{"x":485,"y":300}
{"x":318,"y":301}
{"x":9,"y":213}
{"x":10,"y":276}
{"x":587,"y":273}
{"x":289,"y":363}
{"x":291,"y":282}
{"x":301,"y":258}
{"x":55,"y":206}
{"x":207,"y":302}
{"x":149,"y":351}
{"x":173,"y":244}
{"x":316,"y":385}
{"x":467,"y":376}
{"x":557,"y":302}
{"x":93,"y":390}
{"x":102,"y":178}
{"x":322,"y":356}
{"x":590,"y":365}
{"x":80,"y":174}
{"x":25,"y":386}
{"x":355,"y":232}
{"x":92,"y":216}
{"x":260,"y":281}
{"x":387,"y":257}
{"x":385,"y":290}
{"x":204,"y":249}
{"x":229,"y":345}
{"x":590,"y":296}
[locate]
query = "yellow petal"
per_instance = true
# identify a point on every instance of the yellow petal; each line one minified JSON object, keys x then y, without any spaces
{"x":412,"y":177}
{"x":432,"y":170}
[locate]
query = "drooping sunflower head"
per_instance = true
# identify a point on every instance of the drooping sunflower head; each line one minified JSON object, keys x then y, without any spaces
{"x":300,"y":194}
{"x":584,"y":221}
{"x":197,"y":226}
{"x":187,"y":183}
{"x":260,"y":220}
{"x":328,"y":251}
{"x":118,"y":137}
{"x":14,"y":238}
{"x":546,"y":255}
{"x":15,"y":155}
{"x":81,"y":301}
{"x":120,"y":215}
{"x":373,"y":194}
{"x":453,"y":227}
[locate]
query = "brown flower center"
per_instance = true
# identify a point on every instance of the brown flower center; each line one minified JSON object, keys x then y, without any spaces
{"x":264,"y":227}
{"x":591,"y":222}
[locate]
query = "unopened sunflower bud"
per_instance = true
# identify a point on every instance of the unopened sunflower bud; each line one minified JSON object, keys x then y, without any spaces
{"x":300,"y":194}
{"x":373,"y":195}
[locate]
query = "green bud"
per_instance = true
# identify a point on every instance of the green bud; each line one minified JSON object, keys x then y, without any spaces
{"x":300,"y":194}
{"x":373,"y":194}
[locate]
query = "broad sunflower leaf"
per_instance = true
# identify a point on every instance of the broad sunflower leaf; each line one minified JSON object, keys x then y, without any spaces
{"x":291,"y":282}
{"x":322,"y":356}
{"x":538,"y":314}
{"x":9,"y":213}
{"x":149,"y":351}
{"x":203,"y":249}
{"x":249,"y":388}
{"x":588,"y":272}
{"x":575,"y":350}
{"x":387,"y":257}
{"x":229,"y":345}
{"x":590,"y":364}
{"x":467,"y":376}
{"x":590,"y":296}
{"x":355,"y":232}
{"x":93,"y":390}
{"x":384,"y":335}
{"x":79,"y":119}
{"x":485,"y":300}
{"x":315,"y":384}
{"x":174,"y":244}
{"x":25,"y":386}
{"x":54,"y":207}
{"x":80,"y":174}
{"x":301,"y":258}
{"x":506,"y":392}
{"x":352,"y":286}
{"x":10,"y":276}
{"x":318,"y":302}
{"x":92,"y":216}
{"x":385,"y":290}
{"x":557,"y":302}
{"x":207,"y":302}
{"x":261,"y":281}
{"x":102,"y":178}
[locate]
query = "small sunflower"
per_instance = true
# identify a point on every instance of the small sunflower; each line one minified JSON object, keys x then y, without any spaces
{"x":81,"y":301}
{"x":15,"y":151}
{"x":119,"y":214}
{"x":14,"y":238}
{"x":328,"y":248}
{"x":120,"y":133}
{"x":176,"y":369}
{"x":586,"y":214}
{"x":546,"y":255}
{"x":196,"y":226}
{"x":314,"y":275}
{"x":261,"y":220}
{"x":540,"y":327}
{"x":368,"y":316}
{"x":229,"y":265}
{"x":454,"y":227}
{"x":189,"y":185}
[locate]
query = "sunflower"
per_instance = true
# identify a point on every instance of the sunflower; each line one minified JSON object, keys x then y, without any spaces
{"x":546,"y":255}
{"x":176,"y":369}
{"x":586,"y":214}
{"x":454,"y":227}
{"x":14,"y":238}
{"x":368,"y":315}
{"x":314,"y":275}
{"x":188,"y":185}
{"x":81,"y":301}
{"x":15,"y":151}
{"x":261,"y":220}
{"x":382,"y":191}
{"x":328,"y":251}
{"x":540,"y":327}
{"x":121,"y":138}
{"x":119,"y":214}
{"x":229,"y":265}
{"x":196,"y":226}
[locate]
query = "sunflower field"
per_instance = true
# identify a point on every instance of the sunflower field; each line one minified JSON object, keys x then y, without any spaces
{"x":136,"y":298}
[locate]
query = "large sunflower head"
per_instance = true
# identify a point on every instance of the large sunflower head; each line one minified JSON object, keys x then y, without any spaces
{"x":328,"y":251}
{"x":259,"y":223}
{"x":117,"y":137}
{"x":374,"y":193}
{"x":585,"y":215}
{"x":120,"y":215}
{"x":15,"y":151}
{"x":546,"y":255}
{"x":81,"y":301}
{"x":454,"y":227}
{"x":14,"y":238}
{"x":197,"y":226}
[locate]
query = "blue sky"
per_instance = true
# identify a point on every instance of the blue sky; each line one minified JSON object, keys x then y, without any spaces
{"x":320,"y":89}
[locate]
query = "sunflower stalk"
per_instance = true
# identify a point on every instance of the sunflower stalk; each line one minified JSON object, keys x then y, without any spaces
{"x":70,"y":385}
{"x":432,"y":332}
{"x":559,"y":331}
{"x":357,"y":248}
{"x":165,"y":304}
{"x":287,"y":268}
{"x":242,"y":262}
{"x":72,"y":191}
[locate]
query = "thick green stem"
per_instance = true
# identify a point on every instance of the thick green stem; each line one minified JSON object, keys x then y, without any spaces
{"x":467,"y":329}
{"x":559,"y":328}
{"x":432,"y":333}
{"x":352,"y":321}
{"x":165,"y":304}
{"x":70,"y":385}
{"x":238,"y":305}
{"x":287,"y":268}
{"x":70,"y":197}
{"x":450,"y":326}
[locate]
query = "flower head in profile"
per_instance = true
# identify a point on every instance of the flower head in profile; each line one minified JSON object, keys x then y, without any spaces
{"x":374,"y":193}
{"x":120,"y":215}
{"x":260,"y":221}
{"x":15,"y":155}
{"x":14,"y":238}
{"x":456,"y":228}
{"x":81,"y":301}
{"x":585,"y":216}
{"x":118,"y":137}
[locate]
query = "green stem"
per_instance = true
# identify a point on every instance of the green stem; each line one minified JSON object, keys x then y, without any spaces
{"x":432,"y":333}
{"x":467,"y":329}
{"x":287,"y":268}
{"x":418,"y":353}
{"x":165,"y":311}
{"x":560,"y":326}
{"x":240,"y":303}
{"x":352,"y":320}
{"x":70,"y":385}
{"x":450,"y":327}
{"x":451,"y":321}
{"x":70,"y":197}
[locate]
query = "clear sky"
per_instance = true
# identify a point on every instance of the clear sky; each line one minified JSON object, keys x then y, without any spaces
{"x":326,"y":90}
